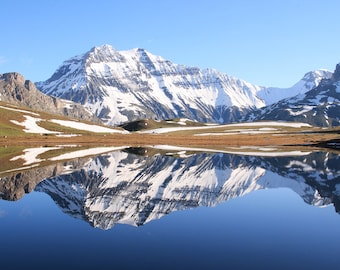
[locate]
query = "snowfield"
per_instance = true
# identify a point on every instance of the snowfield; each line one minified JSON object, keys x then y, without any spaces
{"x":249,"y":151}
{"x":86,"y":127}
{"x":30,"y":125}
{"x":264,"y":127}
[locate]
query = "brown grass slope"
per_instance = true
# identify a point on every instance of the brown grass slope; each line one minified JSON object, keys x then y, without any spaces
{"x":214,"y":135}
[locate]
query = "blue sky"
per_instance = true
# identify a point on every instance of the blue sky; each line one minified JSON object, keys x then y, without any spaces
{"x":270,"y":43}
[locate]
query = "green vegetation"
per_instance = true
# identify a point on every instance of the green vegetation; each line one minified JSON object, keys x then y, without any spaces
{"x":7,"y":153}
{"x":7,"y":128}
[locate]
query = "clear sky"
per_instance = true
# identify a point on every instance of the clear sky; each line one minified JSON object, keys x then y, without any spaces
{"x":265,"y":42}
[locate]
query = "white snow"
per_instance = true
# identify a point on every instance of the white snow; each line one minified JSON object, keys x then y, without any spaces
{"x":84,"y":126}
{"x":263,"y":129}
{"x":310,"y":80}
{"x":30,"y":125}
{"x":300,"y":110}
{"x":143,"y":78}
{"x":273,"y":123}
{"x":68,"y":135}
{"x":175,"y":87}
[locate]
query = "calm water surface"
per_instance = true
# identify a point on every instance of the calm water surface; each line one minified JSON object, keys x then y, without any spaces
{"x":139,"y":208}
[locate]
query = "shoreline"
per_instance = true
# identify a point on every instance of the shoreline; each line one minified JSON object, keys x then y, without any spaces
{"x":135,"y":139}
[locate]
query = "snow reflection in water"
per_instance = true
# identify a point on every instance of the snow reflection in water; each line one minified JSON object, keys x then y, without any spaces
{"x":170,"y":208}
{"x":137,"y":185}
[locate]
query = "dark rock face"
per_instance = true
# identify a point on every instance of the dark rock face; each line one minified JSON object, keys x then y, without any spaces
{"x":15,"y":89}
{"x":336,"y":74}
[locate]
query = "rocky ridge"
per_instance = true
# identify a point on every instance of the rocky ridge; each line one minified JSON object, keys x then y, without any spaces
{"x":15,"y":89}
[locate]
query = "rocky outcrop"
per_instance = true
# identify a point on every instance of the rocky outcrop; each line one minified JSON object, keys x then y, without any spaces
{"x":336,"y":74}
{"x":15,"y":89}
{"x":13,"y":186}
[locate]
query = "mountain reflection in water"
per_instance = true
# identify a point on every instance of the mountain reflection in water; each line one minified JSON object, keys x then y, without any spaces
{"x":137,"y":185}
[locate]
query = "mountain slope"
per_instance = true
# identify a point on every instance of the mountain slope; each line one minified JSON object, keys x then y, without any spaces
{"x":319,"y":107}
{"x":16,"y":90}
{"x":18,"y":122}
{"x":123,"y":86}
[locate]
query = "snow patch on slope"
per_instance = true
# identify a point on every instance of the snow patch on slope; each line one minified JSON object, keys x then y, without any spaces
{"x":30,"y":125}
{"x":86,"y":127}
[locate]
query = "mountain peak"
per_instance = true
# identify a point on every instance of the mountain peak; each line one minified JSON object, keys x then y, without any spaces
{"x":315,"y":76}
{"x":140,"y":50}
{"x":336,"y":74}
{"x":103,"y":48}
{"x":103,"y":54}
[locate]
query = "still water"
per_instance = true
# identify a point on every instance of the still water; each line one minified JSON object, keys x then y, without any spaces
{"x":169,"y":208}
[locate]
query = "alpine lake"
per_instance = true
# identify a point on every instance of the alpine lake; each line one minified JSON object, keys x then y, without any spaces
{"x":164,"y":207}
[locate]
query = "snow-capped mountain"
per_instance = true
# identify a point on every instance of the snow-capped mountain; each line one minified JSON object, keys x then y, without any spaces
{"x":122,"y":187}
{"x":319,"y":106}
{"x":122,"y":86}
{"x":309,"y":81}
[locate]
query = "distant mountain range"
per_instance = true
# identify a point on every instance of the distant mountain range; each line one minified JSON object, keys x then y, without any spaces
{"x":118,"y":87}
{"x":319,"y":106}
{"x":123,"y":86}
